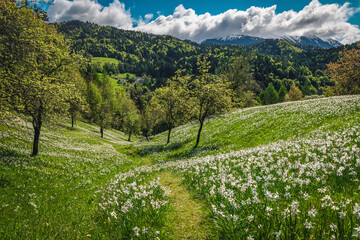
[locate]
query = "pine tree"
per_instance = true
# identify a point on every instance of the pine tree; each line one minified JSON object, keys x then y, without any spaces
{"x":306,"y":88}
{"x":282,"y":93}
{"x":271,"y":96}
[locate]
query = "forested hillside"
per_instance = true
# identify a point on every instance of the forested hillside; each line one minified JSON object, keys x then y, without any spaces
{"x":159,"y":56}
{"x":140,"y":53}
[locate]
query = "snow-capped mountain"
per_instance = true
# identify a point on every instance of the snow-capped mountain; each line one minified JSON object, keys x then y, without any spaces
{"x":312,"y":41}
{"x":238,"y":40}
{"x":302,"y":40}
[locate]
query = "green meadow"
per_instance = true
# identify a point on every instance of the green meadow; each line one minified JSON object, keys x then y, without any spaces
{"x":284,"y":171}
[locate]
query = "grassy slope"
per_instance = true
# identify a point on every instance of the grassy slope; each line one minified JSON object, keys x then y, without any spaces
{"x":103,"y":60}
{"x":124,"y":75}
{"x":114,"y":82}
{"x":253,"y":127}
{"x":55,"y":194}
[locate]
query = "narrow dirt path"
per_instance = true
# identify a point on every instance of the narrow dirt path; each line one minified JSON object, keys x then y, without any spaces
{"x":187,"y":217}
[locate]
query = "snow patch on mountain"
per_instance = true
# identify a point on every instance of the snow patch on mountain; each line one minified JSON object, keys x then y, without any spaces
{"x":244,"y":40}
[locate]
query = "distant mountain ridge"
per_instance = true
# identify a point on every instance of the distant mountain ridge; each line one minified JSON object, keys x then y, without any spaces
{"x":244,"y":40}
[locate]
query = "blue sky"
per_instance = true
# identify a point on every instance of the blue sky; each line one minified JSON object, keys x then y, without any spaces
{"x":142,"y":7}
{"x":199,"y":20}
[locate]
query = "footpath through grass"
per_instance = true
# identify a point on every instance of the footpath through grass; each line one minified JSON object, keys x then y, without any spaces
{"x":188,"y":217}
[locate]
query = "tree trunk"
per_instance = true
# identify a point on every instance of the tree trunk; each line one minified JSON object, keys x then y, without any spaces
{"x":129,"y":135}
{"x":36,"y":141}
{"x":147,"y":138}
{"x":102,"y":131}
{"x":72,"y":121}
{"x":168,"y":140}
{"x":37,"y":122}
{"x":199,"y":133}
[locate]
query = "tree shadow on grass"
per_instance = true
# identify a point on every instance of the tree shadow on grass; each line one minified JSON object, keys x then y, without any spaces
{"x":61,"y":125}
{"x":162,"y":148}
{"x":193,"y":152}
{"x":4,"y":182}
{"x":9,"y":156}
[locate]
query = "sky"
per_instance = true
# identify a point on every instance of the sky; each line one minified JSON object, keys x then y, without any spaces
{"x":203,"y":19}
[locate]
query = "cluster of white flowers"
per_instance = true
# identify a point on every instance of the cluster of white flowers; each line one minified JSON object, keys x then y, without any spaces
{"x":305,"y":181}
{"x":130,"y":200}
{"x":316,"y":175}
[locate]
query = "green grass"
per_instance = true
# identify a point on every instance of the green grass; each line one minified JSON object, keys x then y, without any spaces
{"x":124,"y":75}
{"x":286,"y":171}
{"x":253,"y":127}
{"x":71,"y":189}
{"x":54,"y":194}
{"x":114,"y":82}
{"x":103,"y":60}
{"x":188,"y":218}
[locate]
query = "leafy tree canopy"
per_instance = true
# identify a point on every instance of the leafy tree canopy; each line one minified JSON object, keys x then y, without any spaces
{"x":34,"y":59}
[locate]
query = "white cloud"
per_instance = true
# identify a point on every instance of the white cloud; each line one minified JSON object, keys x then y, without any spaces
{"x":322,"y":20}
{"x":149,"y":16}
{"x":88,"y":10}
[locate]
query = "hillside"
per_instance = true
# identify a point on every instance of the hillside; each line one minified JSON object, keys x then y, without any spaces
{"x":255,"y":126}
{"x":157,"y":57}
{"x":137,"y":52}
{"x":80,"y":186}
{"x":54,"y":194}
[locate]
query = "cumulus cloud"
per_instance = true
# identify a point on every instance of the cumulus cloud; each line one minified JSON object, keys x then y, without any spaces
{"x":323,"y":20}
{"x":88,"y":10}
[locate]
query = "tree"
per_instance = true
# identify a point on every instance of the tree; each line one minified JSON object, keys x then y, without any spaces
{"x":106,"y":110}
{"x":307,"y":87}
{"x":346,"y":72}
{"x":282,"y":93}
{"x":94,"y":99}
{"x":76,"y":98}
{"x":210,"y":95}
{"x":120,"y":94}
{"x":241,"y":81}
{"x":131,"y":117}
{"x":34,"y":59}
{"x":35,"y":6}
{"x":270,"y":95}
{"x":150,"y":117}
{"x":173,"y":100}
{"x":294,"y":94}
